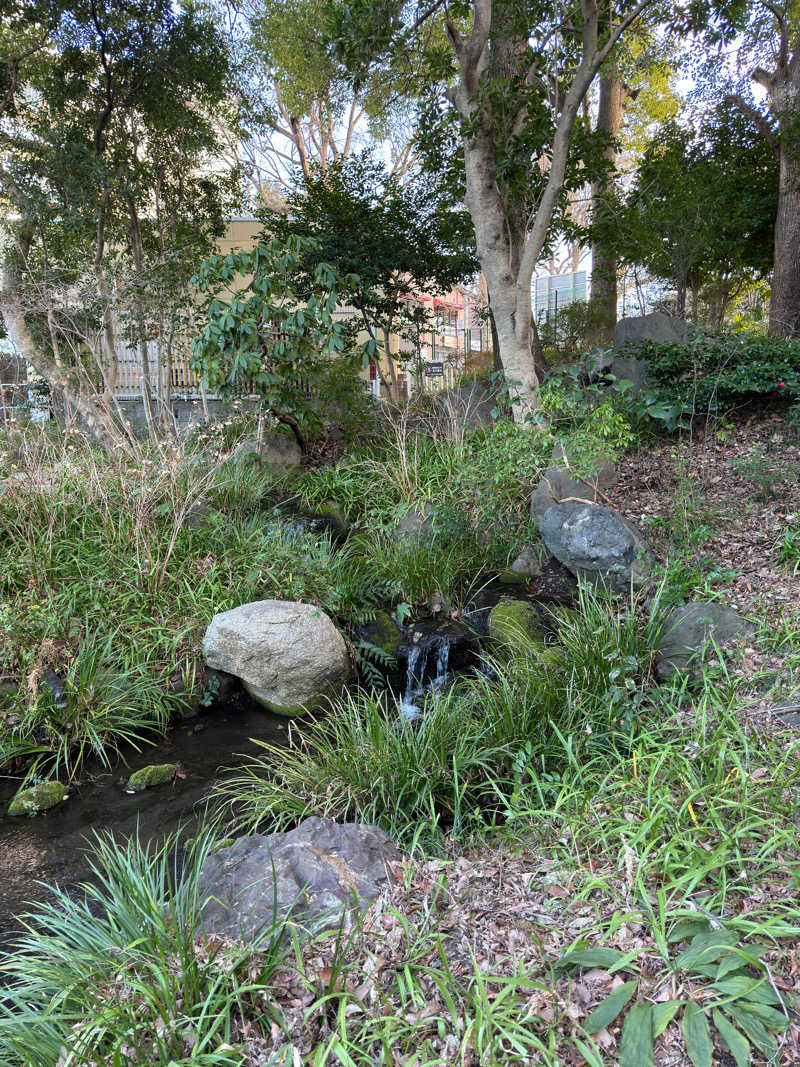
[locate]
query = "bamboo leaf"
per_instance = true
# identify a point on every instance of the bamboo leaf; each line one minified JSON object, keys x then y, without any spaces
{"x":697,"y":1035}
{"x":736,"y":1042}
{"x":607,"y":1010}
{"x":636,"y":1042}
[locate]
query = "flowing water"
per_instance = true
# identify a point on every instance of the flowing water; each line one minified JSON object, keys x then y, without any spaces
{"x":52,"y":847}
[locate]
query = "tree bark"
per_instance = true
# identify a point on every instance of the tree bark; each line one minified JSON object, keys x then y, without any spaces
{"x":783,"y":91}
{"x":510,"y":239}
{"x":611,"y":110}
{"x":89,"y":409}
{"x":784,"y":306}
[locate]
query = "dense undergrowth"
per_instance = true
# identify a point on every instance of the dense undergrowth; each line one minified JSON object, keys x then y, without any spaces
{"x":679,"y":826}
{"x":110,"y":573}
{"x":666,"y":819}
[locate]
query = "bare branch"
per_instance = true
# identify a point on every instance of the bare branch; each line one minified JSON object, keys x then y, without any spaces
{"x":755,"y":116}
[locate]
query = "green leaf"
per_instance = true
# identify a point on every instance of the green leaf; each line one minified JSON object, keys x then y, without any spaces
{"x":706,"y":947}
{"x":686,"y":929}
{"x":747,"y":986}
{"x":757,"y":1032}
{"x":771,"y":1018}
{"x":607,"y":1010}
{"x":663,"y":1014}
{"x":697,"y":1035}
{"x":590,"y":957}
{"x":736,"y":1042}
{"x":636,"y":1042}
{"x":591,"y":1055}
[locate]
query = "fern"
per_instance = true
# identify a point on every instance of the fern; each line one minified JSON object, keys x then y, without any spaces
{"x":373,"y":663}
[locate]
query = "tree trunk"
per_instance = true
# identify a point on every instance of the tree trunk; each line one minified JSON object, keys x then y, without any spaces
{"x":89,"y":409}
{"x":604,"y":261}
{"x":510,"y":233}
{"x":784,"y":306}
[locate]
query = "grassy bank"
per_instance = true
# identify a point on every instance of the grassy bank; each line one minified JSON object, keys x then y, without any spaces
{"x":111,"y":570}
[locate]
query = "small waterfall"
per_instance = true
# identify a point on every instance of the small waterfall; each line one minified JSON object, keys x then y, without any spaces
{"x":417,"y":664}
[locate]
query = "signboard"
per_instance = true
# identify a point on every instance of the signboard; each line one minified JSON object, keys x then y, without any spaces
{"x":434,"y":370}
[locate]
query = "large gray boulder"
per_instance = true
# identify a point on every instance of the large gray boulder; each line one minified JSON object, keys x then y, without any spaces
{"x":629,"y":369}
{"x":289,"y":656}
{"x":598,"y":544}
{"x":278,"y":451}
{"x":689,"y":628}
{"x":559,"y":483}
{"x":467,"y":406}
{"x":658,"y":327}
{"x":317,"y":875}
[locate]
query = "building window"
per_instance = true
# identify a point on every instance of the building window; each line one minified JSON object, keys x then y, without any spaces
{"x":556,"y":291}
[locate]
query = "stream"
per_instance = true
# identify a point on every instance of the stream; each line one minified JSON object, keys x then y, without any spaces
{"x":52,"y":847}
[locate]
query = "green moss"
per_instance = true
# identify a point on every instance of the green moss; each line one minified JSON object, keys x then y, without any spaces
{"x":383,"y":632}
{"x":509,"y":577}
{"x":155,"y":774}
{"x":335,"y":514}
{"x":37,"y":798}
{"x":509,"y":619}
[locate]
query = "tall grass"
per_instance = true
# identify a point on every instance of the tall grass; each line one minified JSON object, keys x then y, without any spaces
{"x":476,"y":747}
{"x":123,"y":975}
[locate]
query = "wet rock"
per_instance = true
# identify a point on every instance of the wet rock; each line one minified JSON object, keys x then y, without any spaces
{"x":598,"y":544}
{"x":318,"y":874}
{"x":200,"y":690}
{"x":154,"y":774}
{"x":510,"y":619}
{"x":290,"y":656}
{"x":333,"y":515}
{"x":559,"y":483}
{"x":689,"y":628}
{"x":37,"y":798}
{"x":56,"y":687}
{"x":527,"y":565}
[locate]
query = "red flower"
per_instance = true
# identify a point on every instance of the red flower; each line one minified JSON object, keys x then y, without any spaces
{"x":781,"y":385}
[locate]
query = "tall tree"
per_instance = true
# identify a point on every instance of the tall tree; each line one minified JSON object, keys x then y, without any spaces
{"x":389,"y":242}
{"x":700,"y":210}
{"x":300,"y":112}
{"x":517,"y":77}
{"x":105,"y":177}
{"x":634,"y":92}
{"x":766,"y":36}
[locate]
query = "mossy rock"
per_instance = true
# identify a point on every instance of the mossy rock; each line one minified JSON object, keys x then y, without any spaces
{"x":509,"y":577}
{"x":384,"y":633}
{"x":37,"y":798}
{"x":334,"y":514}
{"x":155,"y":774}
{"x":511,"y":619}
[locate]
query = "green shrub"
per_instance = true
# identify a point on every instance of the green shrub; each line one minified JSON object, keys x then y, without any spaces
{"x":715,"y":373}
{"x":108,"y":700}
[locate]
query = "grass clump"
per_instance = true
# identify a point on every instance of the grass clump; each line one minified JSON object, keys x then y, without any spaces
{"x":123,"y":976}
